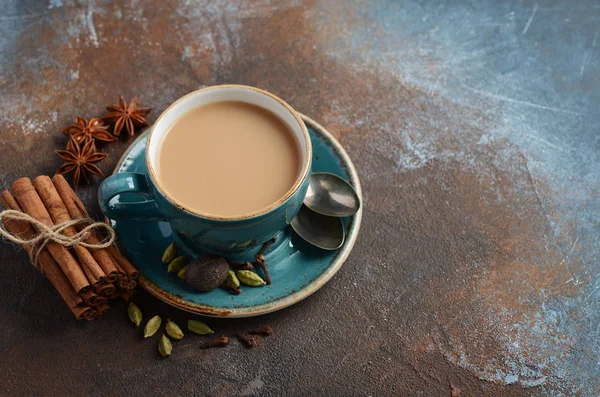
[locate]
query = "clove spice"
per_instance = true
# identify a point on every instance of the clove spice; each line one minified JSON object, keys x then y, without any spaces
{"x":260,"y":259}
{"x":265,"y":331}
{"x":220,"y":342}
{"x":241,"y":266}
{"x":231,"y":290}
{"x":248,"y":340}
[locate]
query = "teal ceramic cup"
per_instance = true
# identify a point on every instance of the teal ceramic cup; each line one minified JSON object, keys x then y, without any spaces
{"x":203,"y":232}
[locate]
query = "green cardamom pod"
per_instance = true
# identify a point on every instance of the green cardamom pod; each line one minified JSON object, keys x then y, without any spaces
{"x":199,"y":327}
{"x":231,"y":281}
{"x":250,"y":278}
{"x":164,"y":346}
{"x":177,"y":264}
{"x":169,"y":253}
{"x":182,"y":274}
{"x":173,"y":330}
{"x":152,"y":326}
{"x":135,"y":314}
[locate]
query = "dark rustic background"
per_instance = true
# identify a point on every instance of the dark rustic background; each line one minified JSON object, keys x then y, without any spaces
{"x":474,"y":126}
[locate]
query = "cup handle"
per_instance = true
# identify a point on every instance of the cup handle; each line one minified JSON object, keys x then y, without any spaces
{"x":128,"y":182}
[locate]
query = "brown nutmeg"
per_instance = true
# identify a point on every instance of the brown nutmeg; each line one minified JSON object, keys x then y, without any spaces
{"x":206,"y":273}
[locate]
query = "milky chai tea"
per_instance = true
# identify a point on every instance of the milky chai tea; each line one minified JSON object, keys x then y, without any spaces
{"x":228,"y":159}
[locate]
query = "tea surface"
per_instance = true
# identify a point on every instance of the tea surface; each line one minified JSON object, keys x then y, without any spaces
{"x":228,"y":158}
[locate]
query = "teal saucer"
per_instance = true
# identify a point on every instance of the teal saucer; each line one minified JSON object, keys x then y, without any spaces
{"x":297,"y":269}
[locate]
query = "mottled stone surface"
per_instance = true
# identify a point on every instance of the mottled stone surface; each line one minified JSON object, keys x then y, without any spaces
{"x":474,"y":126}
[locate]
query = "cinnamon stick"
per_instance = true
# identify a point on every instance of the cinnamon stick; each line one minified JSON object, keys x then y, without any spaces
{"x":132,"y":284}
{"x":76,"y":210}
{"x":89,"y":314}
{"x":46,"y":262}
{"x":100,"y":301}
{"x":123,"y":262}
{"x":101,"y":309}
{"x":58,"y":210}
{"x":92,"y":278}
{"x":127,"y":294}
{"x":127,"y":283}
{"x":32,"y":205}
{"x":84,"y":313}
{"x":123,"y":280}
{"x":105,"y":289}
{"x":90,"y":298}
{"x":122,"y":274}
{"x":103,"y":258}
{"x":116,"y":293}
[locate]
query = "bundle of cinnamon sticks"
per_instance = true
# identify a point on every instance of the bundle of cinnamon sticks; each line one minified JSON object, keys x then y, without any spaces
{"x":85,"y":278}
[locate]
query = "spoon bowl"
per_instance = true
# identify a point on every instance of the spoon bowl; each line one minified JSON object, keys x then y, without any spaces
{"x":330,"y":195}
{"x":322,"y":231}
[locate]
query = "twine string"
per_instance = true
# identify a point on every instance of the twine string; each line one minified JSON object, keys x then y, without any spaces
{"x":54,"y":234}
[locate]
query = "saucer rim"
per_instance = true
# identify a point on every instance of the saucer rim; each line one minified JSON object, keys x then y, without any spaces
{"x":295,"y":297}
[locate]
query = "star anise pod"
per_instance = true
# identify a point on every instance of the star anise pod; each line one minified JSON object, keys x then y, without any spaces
{"x":81,"y":159}
{"x":84,"y":131}
{"x":128,"y":117}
